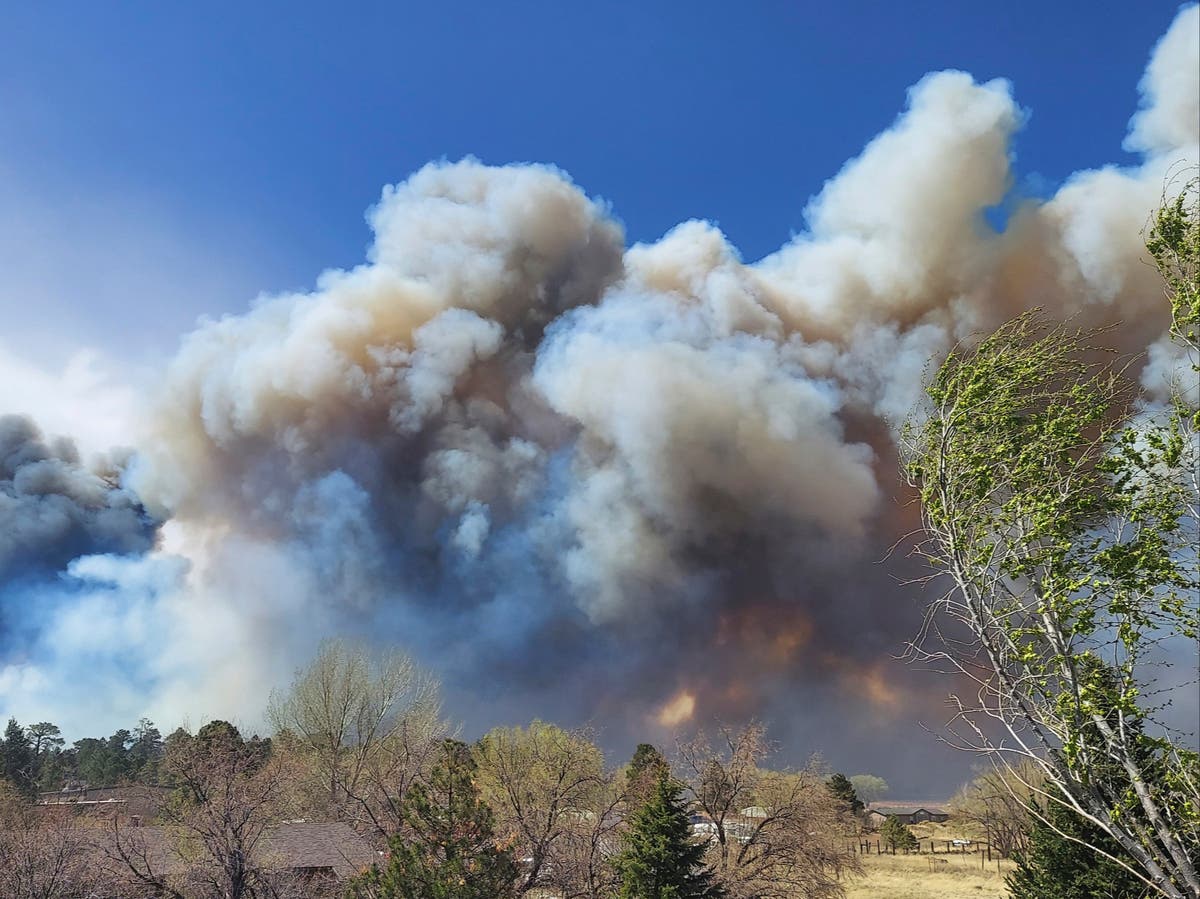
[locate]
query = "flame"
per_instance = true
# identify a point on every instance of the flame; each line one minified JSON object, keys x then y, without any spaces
{"x":873,"y":683}
{"x":762,"y":630}
{"x":678,"y":710}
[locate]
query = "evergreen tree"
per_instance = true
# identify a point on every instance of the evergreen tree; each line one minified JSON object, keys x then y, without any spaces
{"x":646,"y":768}
{"x":45,"y":743}
{"x":1056,"y":867}
{"x":146,"y":752}
{"x":18,"y":759}
{"x":660,"y":859}
{"x":647,"y":759}
{"x":447,"y":848}
{"x":843,"y":791}
{"x":896,"y":834}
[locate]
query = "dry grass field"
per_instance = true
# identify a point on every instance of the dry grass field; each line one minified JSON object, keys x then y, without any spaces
{"x":910,"y":877}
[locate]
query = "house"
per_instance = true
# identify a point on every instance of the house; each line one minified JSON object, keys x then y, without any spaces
{"x":131,"y":804}
{"x":333,"y":850}
{"x":326,"y":853}
{"x":876,"y":815}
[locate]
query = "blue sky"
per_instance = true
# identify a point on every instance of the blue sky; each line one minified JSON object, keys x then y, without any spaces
{"x":161,"y":161}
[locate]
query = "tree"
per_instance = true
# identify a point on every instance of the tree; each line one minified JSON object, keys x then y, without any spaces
{"x":776,"y":834}
{"x":999,"y":803}
{"x":448,"y":848}
{"x":660,"y":859}
{"x":44,"y":737}
{"x":544,"y":783}
{"x":1174,"y":245}
{"x":18,"y":758}
{"x":228,"y":791}
{"x":1059,"y":863}
{"x":896,"y":834}
{"x":41,"y":857}
{"x":869,"y":787}
{"x":368,"y":724}
{"x":843,"y":791}
{"x":1067,"y":532}
{"x":146,"y":752}
{"x":645,"y":769}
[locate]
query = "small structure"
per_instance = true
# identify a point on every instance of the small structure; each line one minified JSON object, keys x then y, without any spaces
{"x":876,"y":815}
{"x":131,"y":804}
{"x":320,"y":854}
{"x":323,"y":851}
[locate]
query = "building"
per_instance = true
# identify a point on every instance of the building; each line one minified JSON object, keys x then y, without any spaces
{"x":131,"y":804}
{"x":876,"y":815}
{"x":322,"y":855}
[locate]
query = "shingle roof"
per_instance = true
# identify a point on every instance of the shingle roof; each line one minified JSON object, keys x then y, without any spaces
{"x":303,"y":845}
{"x":283,"y":847}
{"x":905,"y":809}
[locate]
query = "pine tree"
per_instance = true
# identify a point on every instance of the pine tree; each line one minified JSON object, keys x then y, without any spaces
{"x":17,"y":758}
{"x":843,"y":791}
{"x":447,"y":848}
{"x":896,"y":834}
{"x":646,"y":767}
{"x":1056,"y":867}
{"x":660,"y":859}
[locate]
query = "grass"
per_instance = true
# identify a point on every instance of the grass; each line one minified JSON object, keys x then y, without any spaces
{"x":909,"y":877}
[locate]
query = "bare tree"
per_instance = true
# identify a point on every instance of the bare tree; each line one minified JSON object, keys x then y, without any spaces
{"x":548,"y":788}
{"x":582,"y":862}
{"x":40,"y":857}
{"x":211,"y":846}
{"x":369,"y":724}
{"x":775,"y":835}
{"x":1000,"y":803}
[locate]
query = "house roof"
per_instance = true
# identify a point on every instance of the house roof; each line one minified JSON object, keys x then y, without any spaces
{"x":304,"y":845}
{"x":905,"y":810}
{"x":284,"y":847}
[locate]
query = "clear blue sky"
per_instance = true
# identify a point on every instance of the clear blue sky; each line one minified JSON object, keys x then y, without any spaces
{"x":257,"y":134}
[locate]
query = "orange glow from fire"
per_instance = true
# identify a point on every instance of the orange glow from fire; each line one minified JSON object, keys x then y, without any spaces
{"x":678,"y":710}
{"x":872,"y":683}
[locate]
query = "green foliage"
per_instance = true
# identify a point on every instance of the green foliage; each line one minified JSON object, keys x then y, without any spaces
{"x":1058,"y":866}
{"x":1065,"y":529}
{"x":896,"y":834}
{"x":1174,"y":245}
{"x":648,"y":760}
{"x":203,"y":766}
{"x":17,"y":757}
{"x":1064,"y":509}
{"x":448,"y":847}
{"x":869,"y":787}
{"x":647,"y":767}
{"x":660,"y":859}
{"x":843,"y":791}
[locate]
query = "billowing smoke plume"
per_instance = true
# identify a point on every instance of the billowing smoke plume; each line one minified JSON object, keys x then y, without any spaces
{"x":581,"y":480}
{"x":53,"y":508}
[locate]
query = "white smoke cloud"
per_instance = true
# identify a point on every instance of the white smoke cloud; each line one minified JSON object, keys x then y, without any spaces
{"x":1169,"y":119}
{"x":88,"y":397}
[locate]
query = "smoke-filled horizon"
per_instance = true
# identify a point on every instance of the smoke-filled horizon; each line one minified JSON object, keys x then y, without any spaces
{"x":638,"y":486}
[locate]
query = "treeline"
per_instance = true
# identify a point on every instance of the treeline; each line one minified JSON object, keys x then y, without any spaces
{"x":361,"y":740}
{"x":36,"y":759}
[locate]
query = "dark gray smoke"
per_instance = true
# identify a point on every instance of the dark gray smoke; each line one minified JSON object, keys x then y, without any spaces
{"x":53,"y":508}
